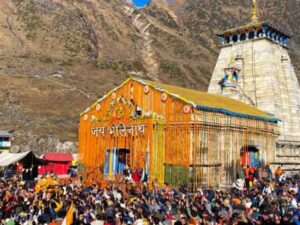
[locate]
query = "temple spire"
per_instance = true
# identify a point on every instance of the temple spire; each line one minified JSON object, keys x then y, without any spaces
{"x":254,"y":11}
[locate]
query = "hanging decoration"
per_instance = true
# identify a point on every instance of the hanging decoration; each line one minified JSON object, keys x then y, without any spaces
{"x":98,"y":107}
{"x":164,"y":97}
{"x":187,"y":109}
{"x":114,"y":96}
{"x":135,"y":112}
{"x":120,"y":112}
{"x":146,"y":89}
{"x":131,"y":91}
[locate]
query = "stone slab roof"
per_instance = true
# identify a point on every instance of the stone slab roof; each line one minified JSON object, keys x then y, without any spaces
{"x":4,"y":134}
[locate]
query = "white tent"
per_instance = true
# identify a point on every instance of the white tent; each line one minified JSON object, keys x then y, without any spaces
{"x":10,"y":158}
{"x":75,"y":156}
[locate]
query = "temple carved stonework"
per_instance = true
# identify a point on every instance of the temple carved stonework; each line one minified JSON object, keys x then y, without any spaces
{"x":256,"y":56}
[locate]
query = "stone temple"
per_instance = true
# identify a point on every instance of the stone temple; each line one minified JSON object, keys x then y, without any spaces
{"x":254,"y":67}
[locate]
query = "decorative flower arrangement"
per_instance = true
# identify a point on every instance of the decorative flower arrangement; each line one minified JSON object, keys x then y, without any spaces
{"x":164,"y":97}
{"x":187,"y":109}
{"x":98,"y":107}
{"x":146,"y":89}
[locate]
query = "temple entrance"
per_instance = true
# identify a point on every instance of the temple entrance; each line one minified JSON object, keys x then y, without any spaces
{"x":115,"y":161}
{"x":250,"y":156}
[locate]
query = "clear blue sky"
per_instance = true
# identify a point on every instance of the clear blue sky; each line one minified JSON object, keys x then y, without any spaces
{"x":140,"y":3}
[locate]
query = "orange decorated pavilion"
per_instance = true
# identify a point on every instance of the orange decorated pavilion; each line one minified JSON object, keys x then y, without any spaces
{"x":175,"y":135}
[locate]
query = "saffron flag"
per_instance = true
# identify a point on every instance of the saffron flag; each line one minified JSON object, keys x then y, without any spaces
{"x":44,"y":184}
{"x":68,"y":220}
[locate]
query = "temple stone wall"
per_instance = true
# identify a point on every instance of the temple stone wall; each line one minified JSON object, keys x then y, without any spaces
{"x":223,"y":176}
{"x":267,"y":81}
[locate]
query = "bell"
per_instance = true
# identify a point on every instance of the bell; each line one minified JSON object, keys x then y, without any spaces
{"x":138,"y":110}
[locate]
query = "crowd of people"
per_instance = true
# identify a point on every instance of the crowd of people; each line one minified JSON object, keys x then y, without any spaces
{"x":267,"y":199}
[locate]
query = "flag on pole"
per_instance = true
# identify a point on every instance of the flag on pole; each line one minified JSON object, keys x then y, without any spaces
{"x":68,"y":220}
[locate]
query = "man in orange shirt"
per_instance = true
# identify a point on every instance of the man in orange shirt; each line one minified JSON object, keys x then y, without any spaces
{"x":278,"y":173}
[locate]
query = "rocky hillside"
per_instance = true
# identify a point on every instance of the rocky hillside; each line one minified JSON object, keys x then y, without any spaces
{"x":57,"y":57}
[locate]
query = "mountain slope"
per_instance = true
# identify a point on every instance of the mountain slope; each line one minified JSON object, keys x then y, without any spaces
{"x":57,"y":57}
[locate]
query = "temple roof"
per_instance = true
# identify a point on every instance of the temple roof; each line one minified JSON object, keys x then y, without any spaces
{"x":4,"y":134}
{"x":201,"y":101}
{"x":212,"y":102}
{"x":254,"y":31}
{"x":252,"y":26}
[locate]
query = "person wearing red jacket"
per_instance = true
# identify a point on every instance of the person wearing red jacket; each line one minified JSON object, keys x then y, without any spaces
{"x":136,"y":176}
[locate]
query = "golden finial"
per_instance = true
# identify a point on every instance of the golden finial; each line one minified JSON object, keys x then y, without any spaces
{"x":254,"y":11}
